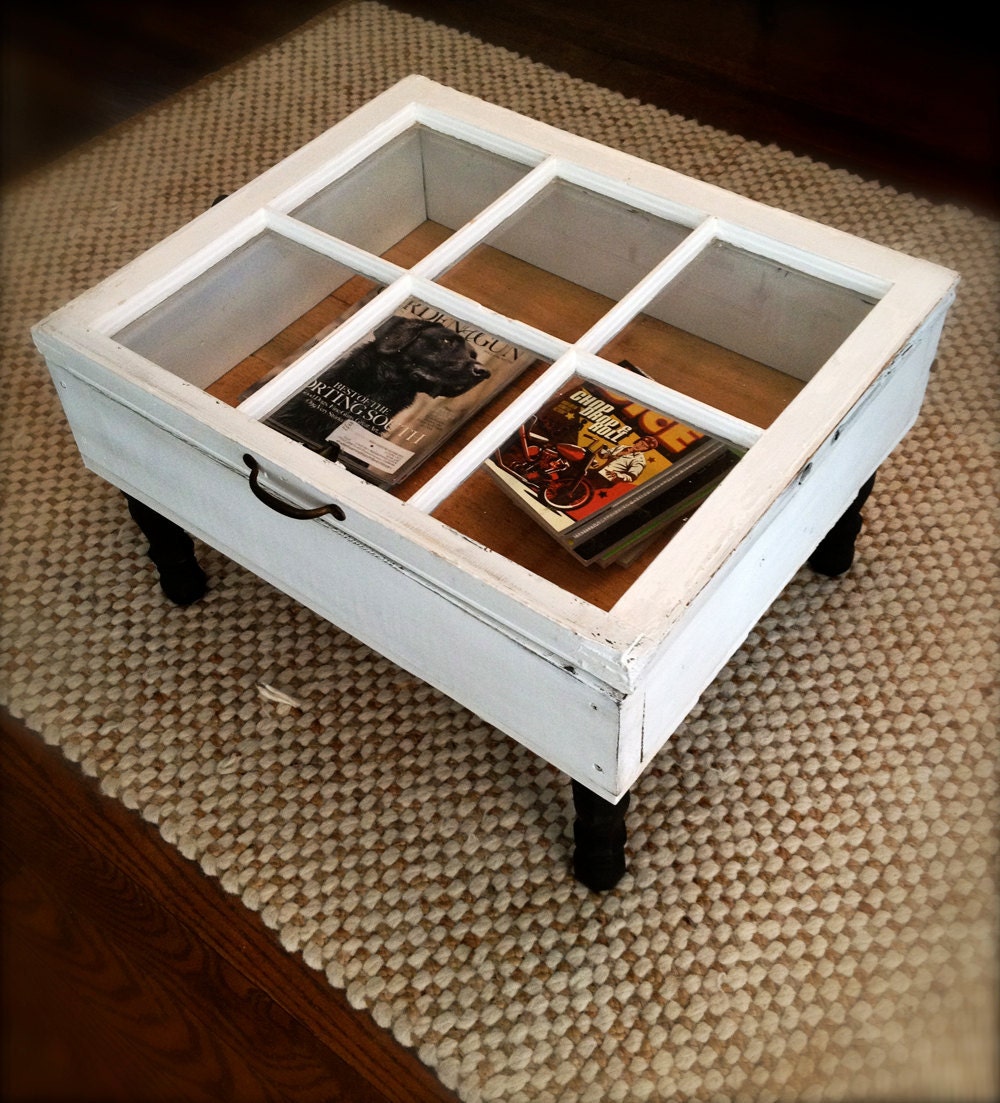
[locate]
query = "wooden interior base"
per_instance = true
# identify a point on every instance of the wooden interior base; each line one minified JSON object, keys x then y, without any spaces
{"x":723,"y":379}
{"x":480,"y":510}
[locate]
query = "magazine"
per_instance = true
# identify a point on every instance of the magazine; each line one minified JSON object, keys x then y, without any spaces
{"x":604,"y":473}
{"x":388,"y":404}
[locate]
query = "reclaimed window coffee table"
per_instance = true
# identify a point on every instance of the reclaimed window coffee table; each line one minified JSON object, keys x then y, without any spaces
{"x":805,"y":348}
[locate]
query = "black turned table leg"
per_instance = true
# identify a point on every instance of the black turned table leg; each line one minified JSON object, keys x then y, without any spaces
{"x":172,"y":552}
{"x":599,"y":834}
{"x":835,"y":553}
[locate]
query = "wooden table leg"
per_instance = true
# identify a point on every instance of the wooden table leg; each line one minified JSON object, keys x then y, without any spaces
{"x":599,"y":834}
{"x":172,"y":552}
{"x":835,"y":552}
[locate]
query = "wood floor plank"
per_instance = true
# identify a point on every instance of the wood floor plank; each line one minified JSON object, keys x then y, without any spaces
{"x":126,"y":967}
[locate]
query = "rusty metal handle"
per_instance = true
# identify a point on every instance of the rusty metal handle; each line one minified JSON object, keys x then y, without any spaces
{"x":284,"y":508}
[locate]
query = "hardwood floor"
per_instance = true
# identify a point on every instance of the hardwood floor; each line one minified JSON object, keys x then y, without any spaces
{"x":72,"y":71}
{"x":871,"y":88}
{"x":128,"y":975}
{"x":911,"y":100}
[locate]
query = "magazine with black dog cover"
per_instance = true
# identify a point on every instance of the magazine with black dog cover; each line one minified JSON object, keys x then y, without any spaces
{"x":603,"y":472}
{"x":389,"y":403}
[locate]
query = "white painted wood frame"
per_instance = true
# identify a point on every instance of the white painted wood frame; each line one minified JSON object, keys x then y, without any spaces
{"x":595,"y":691}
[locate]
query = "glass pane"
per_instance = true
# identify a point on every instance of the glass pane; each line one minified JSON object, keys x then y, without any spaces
{"x":421,"y":176}
{"x":256,"y":309}
{"x":564,"y":258}
{"x":740,"y":331}
{"x":715,"y":375}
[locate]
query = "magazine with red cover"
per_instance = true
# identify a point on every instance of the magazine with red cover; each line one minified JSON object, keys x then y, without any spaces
{"x":603,"y":472}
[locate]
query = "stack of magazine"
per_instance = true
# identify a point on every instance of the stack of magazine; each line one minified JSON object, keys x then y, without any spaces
{"x":604,"y":474}
{"x":393,"y":400}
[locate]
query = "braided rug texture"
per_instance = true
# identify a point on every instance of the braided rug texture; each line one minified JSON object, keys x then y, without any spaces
{"x":810,"y":912}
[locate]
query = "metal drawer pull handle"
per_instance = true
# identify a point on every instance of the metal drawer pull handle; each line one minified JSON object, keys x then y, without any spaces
{"x":283,"y":507}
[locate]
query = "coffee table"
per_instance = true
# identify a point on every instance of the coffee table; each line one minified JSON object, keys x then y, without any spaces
{"x":805,"y":348}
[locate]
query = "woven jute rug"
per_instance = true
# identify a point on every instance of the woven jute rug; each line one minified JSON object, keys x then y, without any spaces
{"x":810,"y":911}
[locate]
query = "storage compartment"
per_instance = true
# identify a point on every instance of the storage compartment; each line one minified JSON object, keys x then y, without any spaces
{"x":587,"y":486}
{"x":420,"y":176}
{"x":255,"y":308}
{"x":564,"y":258}
{"x":717,"y":376}
{"x":765,"y":311}
{"x":578,"y":260}
{"x":730,"y":328}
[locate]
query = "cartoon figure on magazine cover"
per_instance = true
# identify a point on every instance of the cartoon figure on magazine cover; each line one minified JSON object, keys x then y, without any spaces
{"x":627,"y":462}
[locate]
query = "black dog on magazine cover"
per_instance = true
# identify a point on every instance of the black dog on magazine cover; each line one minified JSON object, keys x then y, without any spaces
{"x":407,"y":357}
